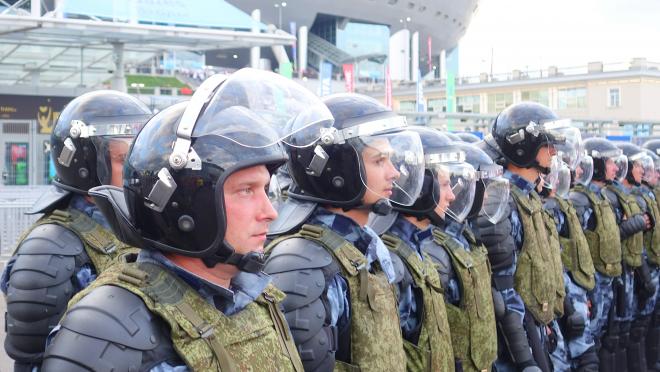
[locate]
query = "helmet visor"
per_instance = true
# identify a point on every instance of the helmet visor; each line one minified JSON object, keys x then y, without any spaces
{"x":584,"y":171}
{"x":457,"y":189}
{"x":644,"y":161}
{"x":292,"y":113}
{"x":568,"y":143}
{"x":391,"y":166}
{"x":621,"y":162}
{"x":496,"y":197}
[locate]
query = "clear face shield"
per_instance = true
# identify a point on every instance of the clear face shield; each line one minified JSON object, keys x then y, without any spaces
{"x":256,"y":109}
{"x":621,"y":162}
{"x":457,"y":182}
{"x":645,"y":163}
{"x":565,"y":138}
{"x":391,"y":166}
{"x":496,"y":193}
{"x":559,"y":179}
{"x":111,"y":137}
{"x":584,"y":171}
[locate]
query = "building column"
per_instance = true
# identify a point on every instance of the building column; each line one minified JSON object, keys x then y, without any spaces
{"x":118,"y":78}
{"x":255,"y":52}
{"x":302,"y":50}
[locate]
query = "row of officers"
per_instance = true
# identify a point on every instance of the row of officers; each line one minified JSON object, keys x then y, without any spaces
{"x":257,"y":227}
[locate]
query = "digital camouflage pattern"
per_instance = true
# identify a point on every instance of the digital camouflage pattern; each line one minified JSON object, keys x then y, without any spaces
{"x":433,"y":351}
{"x":555,"y":251}
{"x":255,"y":339}
{"x":102,"y":247}
{"x":633,"y":246}
{"x":575,"y":249}
{"x":652,"y":237}
{"x":472,"y":323}
{"x":536,"y":278}
{"x":604,"y":242}
{"x":376,"y":339}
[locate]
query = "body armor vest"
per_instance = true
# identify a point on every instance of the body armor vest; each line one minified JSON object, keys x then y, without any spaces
{"x":604,"y":241}
{"x":472,"y":323}
{"x":433,"y":351}
{"x":575,"y":249}
{"x":376,"y":340}
{"x":539,"y":275}
{"x":652,"y":237}
{"x":203,"y":337}
{"x":102,"y":247}
{"x":633,"y":246}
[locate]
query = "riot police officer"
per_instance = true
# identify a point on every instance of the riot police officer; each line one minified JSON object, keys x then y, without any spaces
{"x":195,"y":199}
{"x":72,"y":243}
{"x":336,"y":270}
{"x":577,"y":349}
{"x":526,"y":135}
{"x":641,"y":167}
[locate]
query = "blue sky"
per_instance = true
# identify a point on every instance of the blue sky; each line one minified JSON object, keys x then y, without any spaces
{"x":534,"y":34}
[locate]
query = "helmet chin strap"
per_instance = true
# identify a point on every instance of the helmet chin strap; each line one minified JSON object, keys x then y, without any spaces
{"x":252,"y":262}
{"x":381,"y":207}
{"x":544,"y":170}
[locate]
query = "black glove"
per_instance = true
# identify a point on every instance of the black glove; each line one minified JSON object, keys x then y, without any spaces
{"x":632,"y":226}
{"x":645,"y":287}
{"x":574,"y":322}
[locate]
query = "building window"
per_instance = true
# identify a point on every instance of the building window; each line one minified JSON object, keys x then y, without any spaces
{"x":408,"y":106}
{"x":468,"y":104}
{"x":538,"y":96}
{"x":572,"y":98}
{"x":499,"y":101}
{"x":614,"y":97}
{"x":437,"y":105}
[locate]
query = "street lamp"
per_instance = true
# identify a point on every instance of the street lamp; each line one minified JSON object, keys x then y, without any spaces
{"x":279,"y":7}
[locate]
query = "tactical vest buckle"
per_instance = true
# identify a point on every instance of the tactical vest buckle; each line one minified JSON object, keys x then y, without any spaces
{"x":205,"y":330}
{"x":544,"y":307}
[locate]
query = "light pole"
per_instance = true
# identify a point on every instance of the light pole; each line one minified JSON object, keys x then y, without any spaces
{"x":279,"y":7}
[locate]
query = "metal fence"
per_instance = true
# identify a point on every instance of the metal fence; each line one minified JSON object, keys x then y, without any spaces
{"x":14,"y":202}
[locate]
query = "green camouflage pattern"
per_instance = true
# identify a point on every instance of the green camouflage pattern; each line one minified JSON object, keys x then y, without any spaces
{"x":101,"y":245}
{"x":254,"y":339}
{"x":538,"y":277}
{"x":376,"y":339}
{"x":433,"y":351}
{"x":604,"y":241}
{"x":555,"y":250}
{"x":633,"y":246}
{"x":652,"y":237}
{"x":575,"y":253}
{"x":472,"y":322}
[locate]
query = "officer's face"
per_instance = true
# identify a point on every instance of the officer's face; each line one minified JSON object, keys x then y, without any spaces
{"x":379,"y":171}
{"x":545,"y":154}
{"x":446,"y":193}
{"x":637,"y":172}
{"x":610,"y":169}
{"x":248,"y":209}
{"x":578,"y":172}
{"x":118,"y":149}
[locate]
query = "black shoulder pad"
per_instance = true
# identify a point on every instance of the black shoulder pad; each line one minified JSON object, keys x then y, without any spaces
{"x":381,"y":224}
{"x":550,"y":204}
{"x":296,"y":254}
{"x":116,"y":315}
{"x":612,"y":198}
{"x":442,"y":262}
{"x":51,"y":239}
{"x":291,"y":215}
{"x":579,"y":199}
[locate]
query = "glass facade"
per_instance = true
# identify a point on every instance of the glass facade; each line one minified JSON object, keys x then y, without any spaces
{"x":437,"y":104}
{"x":359,"y":39}
{"x":499,"y":101}
{"x":538,"y":96}
{"x":468,"y":104}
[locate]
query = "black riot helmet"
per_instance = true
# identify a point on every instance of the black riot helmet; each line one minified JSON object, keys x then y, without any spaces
{"x":492,"y":189}
{"x":637,"y":159}
{"x":468,"y":137}
{"x":332,"y":171}
{"x":652,"y":145}
{"x":85,"y":132}
{"x":523,"y":128}
{"x":175,"y":172}
{"x":602,"y":151}
{"x":449,"y":181}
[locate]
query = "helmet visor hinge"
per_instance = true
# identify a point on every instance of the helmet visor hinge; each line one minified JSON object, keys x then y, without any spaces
{"x":162,"y":191}
{"x":320,"y":159}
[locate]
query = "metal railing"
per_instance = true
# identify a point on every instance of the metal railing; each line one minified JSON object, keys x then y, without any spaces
{"x":14,"y":202}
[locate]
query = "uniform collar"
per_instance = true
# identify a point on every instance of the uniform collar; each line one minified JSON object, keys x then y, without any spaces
{"x":410,"y":233}
{"x":525,"y":186}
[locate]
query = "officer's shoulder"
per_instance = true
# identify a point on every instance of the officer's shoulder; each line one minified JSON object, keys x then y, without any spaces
{"x":50,"y":238}
{"x":611,"y":196}
{"x":579,"y":199}
{"x":296,"y":253}
{"x":550,"y":204}
{"x":110,"y":326}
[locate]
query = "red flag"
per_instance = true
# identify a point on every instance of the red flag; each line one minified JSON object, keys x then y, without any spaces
{"x":348,"y":77}
{"x":388,"y":88}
